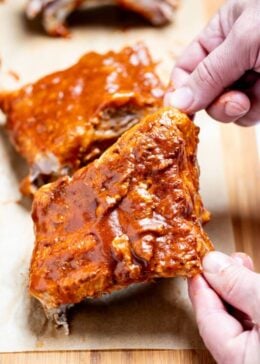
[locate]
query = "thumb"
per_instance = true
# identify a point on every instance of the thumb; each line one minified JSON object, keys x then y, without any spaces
{"x":236,"y":284}
{"x":226,"y":64}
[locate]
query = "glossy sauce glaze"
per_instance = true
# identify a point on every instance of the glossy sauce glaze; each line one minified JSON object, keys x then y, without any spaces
{"x":69,"y":118}
{"x":132,"y":215}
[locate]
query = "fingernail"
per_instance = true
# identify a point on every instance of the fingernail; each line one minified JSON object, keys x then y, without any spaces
{"x":234,"y":109}
{"x":181,"y":99}
{"x":214,"y":262}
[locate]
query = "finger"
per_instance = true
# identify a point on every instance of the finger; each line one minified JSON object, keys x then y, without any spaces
{"x":216,"y":326}
{"x":243,"y":259}
{"x":253,"y":115}
{"x":220,"y":69}
{"x":34,"y":7}
{"x":178,"y":78}
{"x":229,"y":107}
{"x":234,"y":283}
{"x":210,"y":38}
{"x":190,"y":59}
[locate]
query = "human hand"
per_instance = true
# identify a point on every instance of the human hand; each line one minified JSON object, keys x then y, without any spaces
{"x":220,"y":70}
{"x":230,"y":332}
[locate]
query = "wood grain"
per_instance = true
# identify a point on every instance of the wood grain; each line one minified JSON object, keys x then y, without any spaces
{"x":111,"y":357}
{"x":243,"y":177}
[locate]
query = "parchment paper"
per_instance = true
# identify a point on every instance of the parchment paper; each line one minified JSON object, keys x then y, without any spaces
{"x":151,"y":316}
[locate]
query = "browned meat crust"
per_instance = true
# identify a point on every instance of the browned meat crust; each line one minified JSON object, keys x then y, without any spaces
{"x":132,"y":215}
{"x":68,"y":118}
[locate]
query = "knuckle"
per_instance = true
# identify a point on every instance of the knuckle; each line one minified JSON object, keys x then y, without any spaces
{"x":246,"y":34}
{"x":240,"y":34}
{"x":248,"y":24}
{"x":207,"y":73}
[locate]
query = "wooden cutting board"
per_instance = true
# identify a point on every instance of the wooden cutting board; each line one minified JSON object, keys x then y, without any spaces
{"x":243,"y":177}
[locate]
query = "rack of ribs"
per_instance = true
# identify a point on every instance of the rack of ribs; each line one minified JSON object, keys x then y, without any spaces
{"x":66,"y":119}
{"x":133,"y":215}
{"x":55,"y":12}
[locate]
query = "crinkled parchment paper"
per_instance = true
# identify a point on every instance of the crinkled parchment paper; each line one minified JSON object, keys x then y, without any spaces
{"x":155,"y":315}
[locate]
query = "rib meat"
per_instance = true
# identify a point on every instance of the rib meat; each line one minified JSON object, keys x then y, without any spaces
{"x":132,"y":215}
{"x":68,"y":118}
{"x":55,"y":12}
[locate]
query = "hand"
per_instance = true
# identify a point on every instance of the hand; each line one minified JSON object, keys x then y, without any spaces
{"x":219,"y":71}
{"x":230,"y":332}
